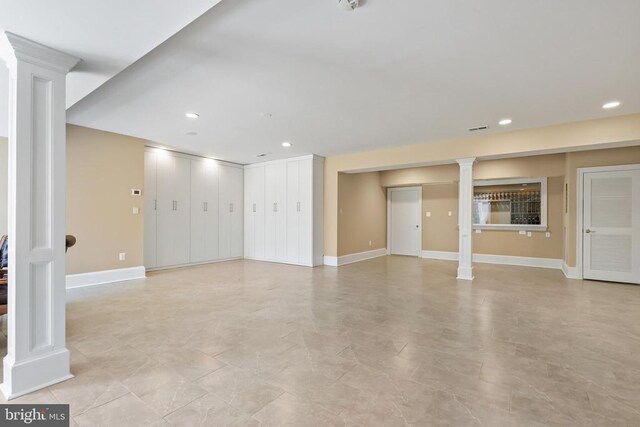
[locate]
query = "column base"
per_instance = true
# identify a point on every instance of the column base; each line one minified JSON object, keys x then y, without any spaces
{"x":24,"y":377}
{"x":465,"y":273}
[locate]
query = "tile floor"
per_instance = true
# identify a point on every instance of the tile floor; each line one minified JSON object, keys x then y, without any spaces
{"x":390,"y":341}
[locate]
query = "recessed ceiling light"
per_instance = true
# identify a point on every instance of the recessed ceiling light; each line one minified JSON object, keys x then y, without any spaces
{"x":505,"y":122}
{"x":286,"y":144}
{"x":192,"y":115}
{"x":610,"y":105}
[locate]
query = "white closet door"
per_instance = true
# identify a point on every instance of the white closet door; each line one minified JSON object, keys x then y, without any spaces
{"x":254,"y":213}
{"x":198,"y":219}
{"x":293,"y":211}
{"x":224,"y":212}
{"x":249,"y":224}
{"x":237,"y":212}
{"x":165,"y":210}
{"x":612,"y":226}
{"x":212,"y":212}
{"x":204,"y":210}
{"x":275,"y":211}
{"x":150,"y":200}
{"x":182,"y":212}
{"x":305,"y":212}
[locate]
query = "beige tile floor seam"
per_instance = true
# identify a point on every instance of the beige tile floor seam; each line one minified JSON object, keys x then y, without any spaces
{"x":387,"y":341}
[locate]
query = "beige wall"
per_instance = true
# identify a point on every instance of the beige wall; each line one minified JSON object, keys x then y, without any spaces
{"x":618,"y":156}
{"x":4,"y":185}
{"x":102,"y":168}
{"x":362,"y":205}
{"x":439,"y":231}
{"x":560,"y":138}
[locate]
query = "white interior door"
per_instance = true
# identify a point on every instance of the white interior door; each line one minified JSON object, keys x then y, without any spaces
{"x":611,"y":227}
{"x":405,"y":215}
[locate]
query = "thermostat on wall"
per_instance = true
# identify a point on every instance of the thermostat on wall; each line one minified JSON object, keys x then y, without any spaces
{"x":136,"y":192}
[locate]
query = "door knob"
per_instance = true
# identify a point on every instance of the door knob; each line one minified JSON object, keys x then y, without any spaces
{"x":417,"y":226}
{"x":589,"y":231}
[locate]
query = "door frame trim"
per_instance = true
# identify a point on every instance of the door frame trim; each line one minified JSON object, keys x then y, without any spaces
{"x":389,"y":191}
{"x":580,"y":207}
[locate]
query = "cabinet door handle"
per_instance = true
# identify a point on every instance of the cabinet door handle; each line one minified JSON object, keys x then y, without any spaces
{"x":298,"y":206}
{"x":254,"y":207}
{"x":231,"y":207}
{"x":155,"y":204}
{"x":275,"y":207}
{"x":176,"y":202}
{"x":205,"y":206}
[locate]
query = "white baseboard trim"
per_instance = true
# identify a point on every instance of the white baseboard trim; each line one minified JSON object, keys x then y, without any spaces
{"x":107,"y":276}
{"x":192,"y":264}
{"x":518,"y":260}
{"x":351,"y":258}
{"x":449,"y":256}
{"x":498,"y":259}
{"x":570,"y":272}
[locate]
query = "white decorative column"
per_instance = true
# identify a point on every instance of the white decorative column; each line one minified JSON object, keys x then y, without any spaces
{"x":465,"y":219}
{"x":36,"y":355}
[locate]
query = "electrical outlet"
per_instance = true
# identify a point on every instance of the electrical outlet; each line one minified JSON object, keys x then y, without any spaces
{"x":450,"y":213}
{"x":122,"y":256}
{"x":136,"y":210}
{"x":522,"y":232}
{"x":428,"y":214}
{"x":478,"y":231}
{"x":528,"y":234}
{"x":370,"y":244}
{"x":547,"y":234}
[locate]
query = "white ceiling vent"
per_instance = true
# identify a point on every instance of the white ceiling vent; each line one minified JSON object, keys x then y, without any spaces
{"x":485,"y":127}
{"x":348,"y":4}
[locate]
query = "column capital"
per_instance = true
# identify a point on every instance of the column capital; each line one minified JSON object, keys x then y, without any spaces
{"x":14,"y":47}
{"x":467,"y":161}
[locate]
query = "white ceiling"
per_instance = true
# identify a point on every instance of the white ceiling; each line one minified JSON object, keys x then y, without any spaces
{"x":107,"y":35}
{"x":390,"y":73}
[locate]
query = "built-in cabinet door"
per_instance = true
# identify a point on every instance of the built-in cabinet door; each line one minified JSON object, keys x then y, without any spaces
{"x":165,"y":210}
{"x":204,"y":210}
{"x":254,"y":213}
{"x":150,"y":200}
{"x":305,"y":212}
{"x":293,"y":211}
{"x":173,"y":210}
{"x":182,"y":223}
{"x":230,"y":212}
{"x":275,"y":235}
{"x":300,"y":211}
{"x":237,"y":213}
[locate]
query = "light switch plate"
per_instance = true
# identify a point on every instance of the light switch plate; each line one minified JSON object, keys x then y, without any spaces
{"x":528,"y":234}
{"x":547,"y":234}
{"x":478,"y":231}
{"x":522,"y":232}
{"x":136,"y":210}
{"x":122,"y":256}
{"x":428,"y":214}
{"x":450,"y":213}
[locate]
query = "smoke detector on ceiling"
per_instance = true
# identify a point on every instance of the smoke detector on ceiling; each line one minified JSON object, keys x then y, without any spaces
{"x":348,"y":4}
